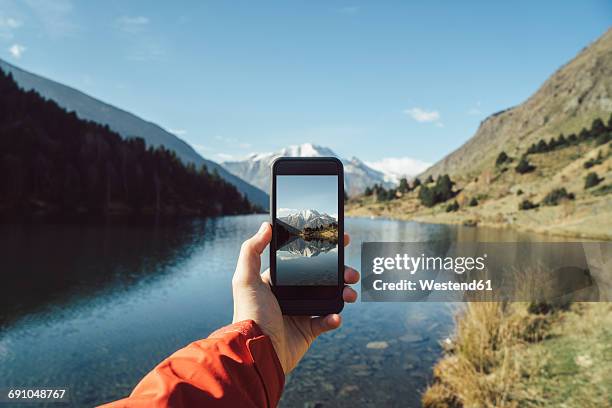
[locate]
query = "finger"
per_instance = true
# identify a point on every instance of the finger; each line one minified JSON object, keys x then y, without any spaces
{"x":266,"y":276}
{"x":349,"y":295}
{"x":350,"y":275}
{"x":347,"y":239}
{"x":249,"y":260}
{"x":323,"y":324}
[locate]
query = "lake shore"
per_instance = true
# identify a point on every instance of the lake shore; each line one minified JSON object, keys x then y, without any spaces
{"x":585,"y":219}
{"x":513,"y":354}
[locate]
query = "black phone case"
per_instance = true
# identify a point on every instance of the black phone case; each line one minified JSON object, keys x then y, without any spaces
{"x":302,"y":306}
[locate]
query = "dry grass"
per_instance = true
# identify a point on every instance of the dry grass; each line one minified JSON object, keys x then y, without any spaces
{"x":507,"y":355}
{"x":480,"y":368}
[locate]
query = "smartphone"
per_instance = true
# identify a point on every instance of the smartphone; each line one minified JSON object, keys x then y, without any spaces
{"x":307,"y":251}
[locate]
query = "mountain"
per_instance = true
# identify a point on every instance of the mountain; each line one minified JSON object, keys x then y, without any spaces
{"x":308,"y":248}
{"x":308,"y":219}
{"x":543,"y":166}
{"x":569,"y":100}
{"x":255,"y":169}
{"x":126,"y":124}
{"x":55,"y":163}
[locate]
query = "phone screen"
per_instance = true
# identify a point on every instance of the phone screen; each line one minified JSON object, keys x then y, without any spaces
{"x":306,"y":230}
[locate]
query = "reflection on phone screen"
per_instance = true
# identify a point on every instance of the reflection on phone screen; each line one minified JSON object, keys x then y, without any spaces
{"x":307,"y":230}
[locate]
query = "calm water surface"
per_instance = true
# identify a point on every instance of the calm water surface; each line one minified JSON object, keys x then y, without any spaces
{"x":302,"y":262}
{"x":94,"y":308}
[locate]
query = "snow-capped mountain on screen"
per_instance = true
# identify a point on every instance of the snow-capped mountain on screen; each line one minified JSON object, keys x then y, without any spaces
{"x":255,"y":169}
{"x":308,"y":218}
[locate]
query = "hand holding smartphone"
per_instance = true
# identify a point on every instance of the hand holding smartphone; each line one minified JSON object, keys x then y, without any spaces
{"x":306,"y":252}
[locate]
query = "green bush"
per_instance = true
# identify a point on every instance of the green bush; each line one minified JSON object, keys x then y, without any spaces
{"x":439,"y":193}
{"x":502,"y":158}
{"x":557,"y":195}
{"x":603,"y":190}
{"x":527,"y":205}
{"x":403,"y":185}
{"x":591,"y":180}
{"x":473,"y":202}
{"x":426,"y":196}
{"x":603,"y":138}
{"x":524,"y":166}
{"x":452,"y":207}
{"x":594,"y":161}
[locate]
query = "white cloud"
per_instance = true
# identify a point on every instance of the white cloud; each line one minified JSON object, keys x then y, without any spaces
{"x":10,"y":22}
{"x":283,"y":212}
{"x":422,"y":115}
{"x":17,"y":50}
{"x":398,"y":167}
{"x":178,"y":132}
{"x":7,"y":26}
{"x":132,"y":24}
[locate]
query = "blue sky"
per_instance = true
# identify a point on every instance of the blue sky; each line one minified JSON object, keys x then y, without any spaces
{"x":368,"y":79}
{"x":297,"y":193}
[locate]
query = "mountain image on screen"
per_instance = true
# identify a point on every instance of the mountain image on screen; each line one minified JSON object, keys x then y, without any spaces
{"x":307,"y":242}
{"x":318,"y":232}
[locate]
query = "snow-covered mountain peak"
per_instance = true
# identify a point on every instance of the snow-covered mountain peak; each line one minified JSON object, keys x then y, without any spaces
{"x":256,"y":168}
{"x":308,"y":218}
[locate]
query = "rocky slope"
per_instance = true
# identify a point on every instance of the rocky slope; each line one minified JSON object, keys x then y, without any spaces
{"x":569,"y":100}
{"x":490,"y":193}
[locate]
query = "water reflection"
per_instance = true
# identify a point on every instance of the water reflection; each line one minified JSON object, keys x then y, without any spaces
{"x":96,"y":307}
{"x":307,"y":262}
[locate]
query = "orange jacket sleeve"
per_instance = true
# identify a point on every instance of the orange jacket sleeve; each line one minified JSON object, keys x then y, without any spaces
{"x":236,"y":366}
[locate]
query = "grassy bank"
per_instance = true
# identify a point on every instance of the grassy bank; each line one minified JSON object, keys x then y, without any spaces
{"x":517,"y":355}
{"x":493,"y":198}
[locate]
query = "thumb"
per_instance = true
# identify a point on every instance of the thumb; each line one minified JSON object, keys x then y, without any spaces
{"x":322,"y":324}
{"x":249,"y":260}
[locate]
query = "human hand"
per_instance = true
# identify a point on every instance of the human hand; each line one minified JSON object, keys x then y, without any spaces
{"x":254,"y":300}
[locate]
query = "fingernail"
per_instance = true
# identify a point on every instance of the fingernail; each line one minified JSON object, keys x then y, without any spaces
{"x":262,"y":228}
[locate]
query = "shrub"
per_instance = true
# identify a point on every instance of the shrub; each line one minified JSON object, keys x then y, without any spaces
{"x":593,"y":161}
{"x":524,"y":166}
{"x":426,"y":196}
{"x":603,"y":138}
{"x":502,"y":158}
{"x":557,"y":195}
{"x":603,"y":190}
{"x":416,"y":183}
{"x":527,"y":205}
{"x":452,"y":207}
{"x":473,"y":202}
{"x":440,"y":192}
{"x":403,"y":185}
{"x":591,"y":180}
{"x":519,"y":192}
{"x":368,"y":191}
{"x":429,"y":179}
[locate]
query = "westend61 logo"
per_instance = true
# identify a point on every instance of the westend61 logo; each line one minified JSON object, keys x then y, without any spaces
{"x":459,"y":271}
{"x":413,"y":264}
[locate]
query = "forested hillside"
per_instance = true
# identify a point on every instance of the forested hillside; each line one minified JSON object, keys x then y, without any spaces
{"x":51,"y":162}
